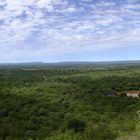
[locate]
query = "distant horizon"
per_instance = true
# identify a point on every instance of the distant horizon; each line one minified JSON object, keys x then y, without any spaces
{"x":70,"y":62}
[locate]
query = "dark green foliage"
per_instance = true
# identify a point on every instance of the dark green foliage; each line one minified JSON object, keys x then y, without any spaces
{"x":48,"y":103}
{"x":76,"y":125}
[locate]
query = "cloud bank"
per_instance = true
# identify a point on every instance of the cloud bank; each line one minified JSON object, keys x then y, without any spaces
{"x":43,"y":28}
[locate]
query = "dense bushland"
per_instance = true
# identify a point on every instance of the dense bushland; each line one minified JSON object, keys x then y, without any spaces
{"x":67,"y":104}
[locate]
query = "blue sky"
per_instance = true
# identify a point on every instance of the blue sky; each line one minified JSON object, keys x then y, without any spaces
{"x":69,"y":30}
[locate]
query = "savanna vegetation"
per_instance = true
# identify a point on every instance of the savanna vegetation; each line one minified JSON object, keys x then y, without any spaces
{"x":69,"y":103}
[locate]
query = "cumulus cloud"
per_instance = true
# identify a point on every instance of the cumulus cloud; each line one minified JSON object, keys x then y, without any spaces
{"x":62,"y":26}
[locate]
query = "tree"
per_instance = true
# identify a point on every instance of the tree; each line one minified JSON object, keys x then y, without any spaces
{"x":76,"y":125}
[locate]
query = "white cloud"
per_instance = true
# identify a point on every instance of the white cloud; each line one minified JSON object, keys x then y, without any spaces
{"x":56,"y":26}
{"x":106,"y":4}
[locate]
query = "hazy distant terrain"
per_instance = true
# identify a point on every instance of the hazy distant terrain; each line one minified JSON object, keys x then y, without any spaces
{"x":72,"y":64}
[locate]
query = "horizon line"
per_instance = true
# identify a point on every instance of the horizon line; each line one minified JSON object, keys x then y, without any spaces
{"x":70,"y":61}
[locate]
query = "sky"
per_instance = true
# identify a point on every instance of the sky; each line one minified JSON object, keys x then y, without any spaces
{"x":69,"y":30}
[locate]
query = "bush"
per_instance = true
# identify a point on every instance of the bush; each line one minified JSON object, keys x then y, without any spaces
{"x":76,"y":125}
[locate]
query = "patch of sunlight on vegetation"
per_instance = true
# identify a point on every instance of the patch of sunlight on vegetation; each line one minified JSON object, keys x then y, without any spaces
{"x":135,"y":134}
{"x":64,"y":136}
